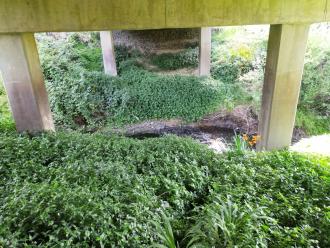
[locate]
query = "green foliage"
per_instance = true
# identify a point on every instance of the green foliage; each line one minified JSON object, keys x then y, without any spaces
{"x":227,"y":224}
{"x":311,"y":122}
{"x":153,"y":96}
{"x":239,"y":61}
{"x":240,"y":145}
{"x":6,"y":120}
{"x":238,"y":58}
{"x":173,"y":61}
{"x":82,"y":96}
{"x":2,"y":88}
{"x":226,"y":72}
{"x":85,"y":99}
{"x":73,"y":66}
{"x":165,"y":234}
{"x":314,"y":107}
{"x":61,"y":55}
{"x":315,"y":93}
{"x":87,"y":53}
{"x":232,"y":60}
{"x":75,"y":190}
{"x":125,"y":54}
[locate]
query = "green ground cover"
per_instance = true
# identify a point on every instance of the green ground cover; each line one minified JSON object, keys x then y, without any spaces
{"x":173,"y":61}
{"x":79,"y":190}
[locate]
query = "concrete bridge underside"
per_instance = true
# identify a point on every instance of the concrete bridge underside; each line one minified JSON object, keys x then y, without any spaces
{"x":289,"y":20}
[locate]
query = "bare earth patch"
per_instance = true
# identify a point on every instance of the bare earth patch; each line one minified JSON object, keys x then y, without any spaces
{"x":215,"y":130}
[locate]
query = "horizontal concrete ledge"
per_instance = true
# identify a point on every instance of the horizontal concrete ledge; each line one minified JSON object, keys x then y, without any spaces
{"x":92,"y":15}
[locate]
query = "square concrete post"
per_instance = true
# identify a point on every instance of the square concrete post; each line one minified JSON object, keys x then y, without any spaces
{"x":284,"y":68}
{"x":205,"y":51}
{"x":24,"y":83}
{"x":108,"y":51}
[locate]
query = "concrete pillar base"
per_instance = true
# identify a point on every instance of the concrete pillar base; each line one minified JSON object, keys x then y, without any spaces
{"x":284,"y":68}
{"x":24,"y":83}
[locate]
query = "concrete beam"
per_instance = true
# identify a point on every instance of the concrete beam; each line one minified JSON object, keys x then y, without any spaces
{"x":87,"y":15}
{"x":211,"y":13}
{"x":108,"y":52}
{"x":205,"y":51}
{"x":284,"y":68}
{"x":80,"y":15}
{"x":24,"y":83}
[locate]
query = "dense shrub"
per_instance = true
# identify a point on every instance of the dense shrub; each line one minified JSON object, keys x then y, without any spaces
{"x":84,"y":98}
{"x":76,"y":190}
{"x":173,"y":61}
{"x":226,"y":72}
{"x":124,"y":54}
{"x":314,"y":106}
{"x":230,"y":61}
{"x":315,"y":92}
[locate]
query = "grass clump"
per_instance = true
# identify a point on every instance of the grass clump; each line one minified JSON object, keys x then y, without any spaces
{"x":91,"y":190}
{"x":311,"y":122}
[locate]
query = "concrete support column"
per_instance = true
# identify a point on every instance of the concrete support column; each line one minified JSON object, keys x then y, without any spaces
{"x":205,"y":52}
{"x":284,"y":68}
{"x":108,"y":51}
{"x":24,"y":83}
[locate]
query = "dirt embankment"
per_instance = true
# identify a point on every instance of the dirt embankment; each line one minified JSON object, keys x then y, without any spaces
{"x":158,"y":41}
{"x":216,"y":130}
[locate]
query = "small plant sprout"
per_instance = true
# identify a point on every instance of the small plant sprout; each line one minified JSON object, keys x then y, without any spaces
{"x":165,"y":234}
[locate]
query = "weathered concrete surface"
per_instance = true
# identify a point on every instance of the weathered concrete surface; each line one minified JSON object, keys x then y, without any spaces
{"x":80,"y":15}
{"x":189,"y":13}
{"x":108,"y":52}
{"x":23,"y":79}
{"x":88,"y":15}
{"x":284,"y":68}
{"x":205,"y":51}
